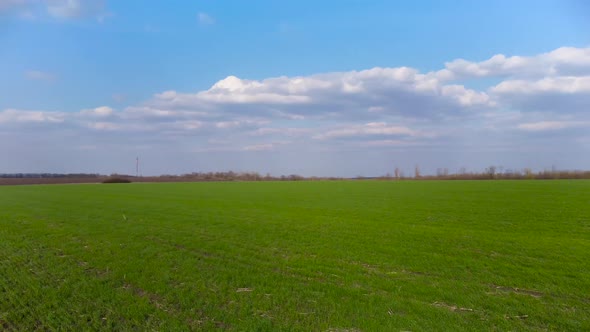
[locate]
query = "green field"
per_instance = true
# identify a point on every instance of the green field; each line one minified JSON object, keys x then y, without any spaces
{"x":297,"y":256}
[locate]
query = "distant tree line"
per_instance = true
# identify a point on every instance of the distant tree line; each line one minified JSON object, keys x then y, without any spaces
{"x":47,"y":175}
{"x":225,"y":176}
{"x":489,"y":173}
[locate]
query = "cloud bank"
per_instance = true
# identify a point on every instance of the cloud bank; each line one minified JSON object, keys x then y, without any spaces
{"x":536,"y":103}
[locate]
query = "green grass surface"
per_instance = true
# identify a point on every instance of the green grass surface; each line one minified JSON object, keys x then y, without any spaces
{"x":300,"y":256}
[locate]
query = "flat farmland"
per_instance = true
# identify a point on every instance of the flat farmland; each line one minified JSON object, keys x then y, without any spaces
{"x":296,"y":256}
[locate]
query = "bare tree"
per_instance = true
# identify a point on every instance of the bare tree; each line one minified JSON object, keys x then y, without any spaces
{"x":396,"y":173}
{"x":442,"y":172}
{"x":491,"y":171}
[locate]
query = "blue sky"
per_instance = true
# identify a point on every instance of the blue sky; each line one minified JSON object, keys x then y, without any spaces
{"x":310,"y":87}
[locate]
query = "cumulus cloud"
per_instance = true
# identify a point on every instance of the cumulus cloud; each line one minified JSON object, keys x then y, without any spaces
{"x":562,"y":85}
{"x":205,"y":19}
{"x":564,"y":61}
{"x":103,"y":111}
{"x":22,"y":116}
{"x":400,"y":91}
{"x":557,"y":81}
{"x":374,"y":96}
{"x":551,"y":94}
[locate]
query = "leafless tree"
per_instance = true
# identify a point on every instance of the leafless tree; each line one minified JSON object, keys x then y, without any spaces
{"x":491,"y":171}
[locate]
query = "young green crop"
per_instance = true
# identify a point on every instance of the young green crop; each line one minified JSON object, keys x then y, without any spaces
{"x":304,"y":256}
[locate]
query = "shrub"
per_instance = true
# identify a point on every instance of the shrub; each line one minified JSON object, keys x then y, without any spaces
{"x":116,"y":180}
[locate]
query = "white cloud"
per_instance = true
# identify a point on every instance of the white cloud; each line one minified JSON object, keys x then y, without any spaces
{"x":375,"y":96}
{"x":64,"y":8}
{"x":557,"y":95}
{"x":234,"y":90}
{"x":205,"y":19}
{"x":104,"y":126}
{"x":160,"y":114}
{"x":103,"y":111}
{"x":550,"y":125}
{"x":38,"y":75}
{"x":20,"y":116}
{"x":561,"y":85}
{"x":227,"y":124}
{"x":369,"y":129}
{"x":381,"y":91}
{"x":564,"y":61}
{"x":188,"y":125}
{"x":68,"y":9}
{"x":557,"y":81}
{"x":466,"y":97}
{"x":259,"y":147}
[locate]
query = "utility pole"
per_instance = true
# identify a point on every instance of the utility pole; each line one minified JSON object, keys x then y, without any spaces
{"x":137,"y":167}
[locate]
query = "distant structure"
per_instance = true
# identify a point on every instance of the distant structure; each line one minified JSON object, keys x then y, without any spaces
{"x":137,"y":166}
